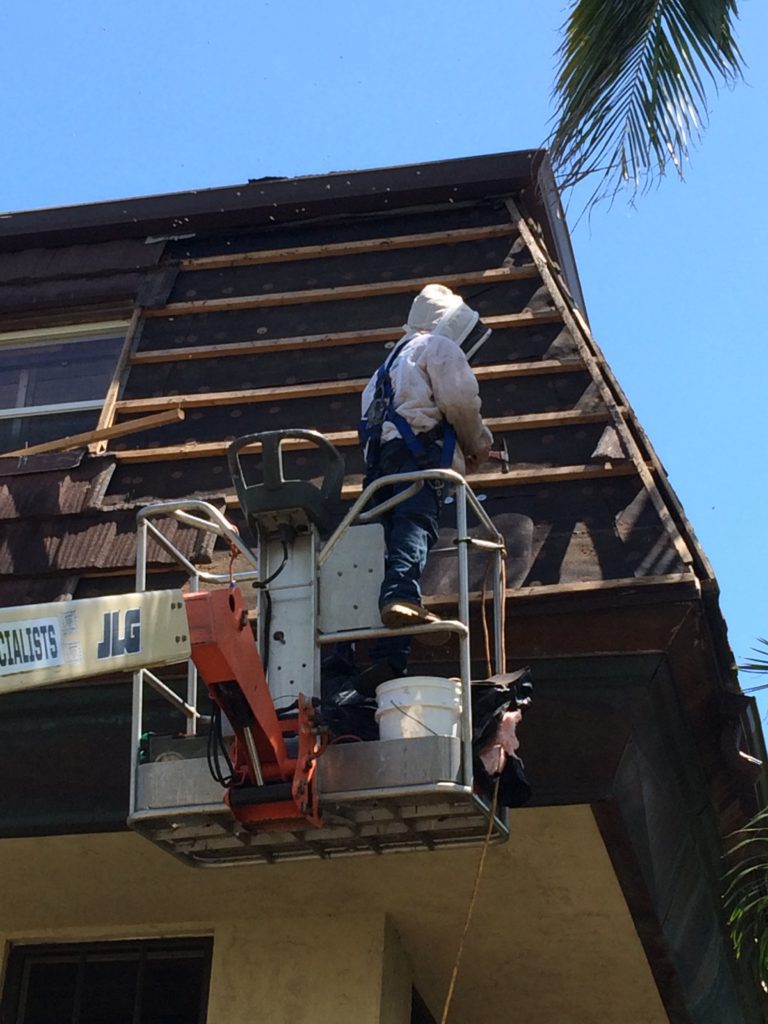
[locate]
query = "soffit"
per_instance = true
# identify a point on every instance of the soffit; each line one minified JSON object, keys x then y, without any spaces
{"x":549,"y":917}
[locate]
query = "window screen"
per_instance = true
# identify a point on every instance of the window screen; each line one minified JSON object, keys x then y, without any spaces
{"x":147,"y":982}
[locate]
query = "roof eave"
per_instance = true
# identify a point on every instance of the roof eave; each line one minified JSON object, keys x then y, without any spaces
{"x":272,"y":201}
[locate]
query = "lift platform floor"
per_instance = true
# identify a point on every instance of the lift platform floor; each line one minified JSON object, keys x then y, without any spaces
{"x":376,"y":797}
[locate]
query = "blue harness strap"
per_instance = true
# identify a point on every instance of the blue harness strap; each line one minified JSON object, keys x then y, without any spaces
{"x":382,"y":410}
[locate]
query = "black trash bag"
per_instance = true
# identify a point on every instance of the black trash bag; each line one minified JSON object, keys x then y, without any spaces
{"x":343,"y":710}
{"x":338,"y":671}
{"x":350,"y":715}
{"x":514,"y":787}
{"x":491,"y":698}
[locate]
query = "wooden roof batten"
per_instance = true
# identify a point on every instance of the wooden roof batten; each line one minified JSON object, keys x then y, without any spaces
{"x":345,"y":386}
{"x":92,"y":438}
{"x":342,"y":292}
{"x":330,"y":249}
{"x":107,"y":418}
{"x":347,"y":438}
{"x":376,"y":335}
{"x":516,"y":476}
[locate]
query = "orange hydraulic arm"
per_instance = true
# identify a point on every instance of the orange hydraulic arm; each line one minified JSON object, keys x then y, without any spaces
{"x":270,"y":789}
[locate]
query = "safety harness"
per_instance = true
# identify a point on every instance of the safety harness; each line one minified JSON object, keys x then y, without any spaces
{"x":382,"y":410}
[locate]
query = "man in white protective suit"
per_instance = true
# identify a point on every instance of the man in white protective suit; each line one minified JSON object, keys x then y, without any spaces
{"x":421,"y":410}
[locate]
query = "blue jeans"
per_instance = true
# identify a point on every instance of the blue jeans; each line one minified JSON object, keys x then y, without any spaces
{"x":410,"y":530}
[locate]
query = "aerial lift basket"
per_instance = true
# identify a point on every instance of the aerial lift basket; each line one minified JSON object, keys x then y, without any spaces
{"x":370,"y":797}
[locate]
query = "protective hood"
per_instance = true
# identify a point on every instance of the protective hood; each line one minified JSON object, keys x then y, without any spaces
{"x":438,"y":310}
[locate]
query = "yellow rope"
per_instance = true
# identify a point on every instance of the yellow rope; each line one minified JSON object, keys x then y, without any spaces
{"x":503,"y":610}
{"x":494,"y":801}
{"x":471,"y":907}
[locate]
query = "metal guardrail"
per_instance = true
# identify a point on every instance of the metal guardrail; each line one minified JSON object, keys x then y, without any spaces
{"x":464,"y":496}
{"x":203,"y":516}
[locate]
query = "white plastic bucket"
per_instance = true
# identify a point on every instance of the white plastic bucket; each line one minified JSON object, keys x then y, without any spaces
{"x":418,"y":706}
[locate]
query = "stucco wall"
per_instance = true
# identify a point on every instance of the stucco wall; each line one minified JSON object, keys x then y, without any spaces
{"x":550,"y":941}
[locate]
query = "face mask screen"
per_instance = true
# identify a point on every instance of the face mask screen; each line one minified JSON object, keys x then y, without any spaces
{"x":476,"y":338}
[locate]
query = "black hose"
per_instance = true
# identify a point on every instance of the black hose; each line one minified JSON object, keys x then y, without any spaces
{"x":217,"y":749}
{"x":267,"y":629}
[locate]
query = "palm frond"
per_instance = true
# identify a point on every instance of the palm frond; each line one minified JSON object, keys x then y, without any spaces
{"x":631,"y":91}
{"x":745,"y":898}
{"x":759,"y":664}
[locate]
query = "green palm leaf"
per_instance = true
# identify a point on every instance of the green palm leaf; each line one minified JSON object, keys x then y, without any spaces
{"x":631,"y":91}
{"x":746,"y":882}
{"x":759,"y":664}
{"x":746,"y":897}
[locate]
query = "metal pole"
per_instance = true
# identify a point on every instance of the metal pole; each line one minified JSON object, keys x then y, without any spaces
{"x":141,"y":555}
{"x":194,"y":586}
{"x":253,"y":756}
{"x":138,"y":677}
{"x":165,"y":691}
{"x":499,"y":597}
{"x":444,"y":625}
{"x":416,"y":479}
{"x":465,"y":667}
{"x":216,"y":524}
{"x":136,"y":716}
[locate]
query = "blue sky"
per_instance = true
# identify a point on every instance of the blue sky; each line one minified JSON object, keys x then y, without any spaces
{"x":102,"y":100}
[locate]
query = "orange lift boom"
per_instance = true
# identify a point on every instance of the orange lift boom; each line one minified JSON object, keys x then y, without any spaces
{"x":269,"y":788}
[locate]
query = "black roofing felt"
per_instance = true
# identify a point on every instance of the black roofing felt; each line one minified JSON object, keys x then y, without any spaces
{"x":573,"y":534}
{"x":113,"y":273}
{"x":78,"y":261}
{"x":377,"y":224}
{"x":313,"y":364}
{"x":548,"y":393}
{"x":330,"y":272}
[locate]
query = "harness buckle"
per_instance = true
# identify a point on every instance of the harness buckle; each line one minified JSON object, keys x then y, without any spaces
{"x":377,"y":411}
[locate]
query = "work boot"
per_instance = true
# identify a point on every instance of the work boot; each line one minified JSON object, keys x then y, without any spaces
{"x":400,"y":614}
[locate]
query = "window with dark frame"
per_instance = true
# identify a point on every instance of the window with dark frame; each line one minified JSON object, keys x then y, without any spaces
{"x":152,"y":981}
{"x":53,"y":383}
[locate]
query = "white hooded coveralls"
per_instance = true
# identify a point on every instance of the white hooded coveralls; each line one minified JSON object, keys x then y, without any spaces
{"x":431,"y":378}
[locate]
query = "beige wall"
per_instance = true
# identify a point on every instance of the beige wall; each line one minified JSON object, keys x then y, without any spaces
{"x":551,"y":940}
{"x":304,"y":971}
